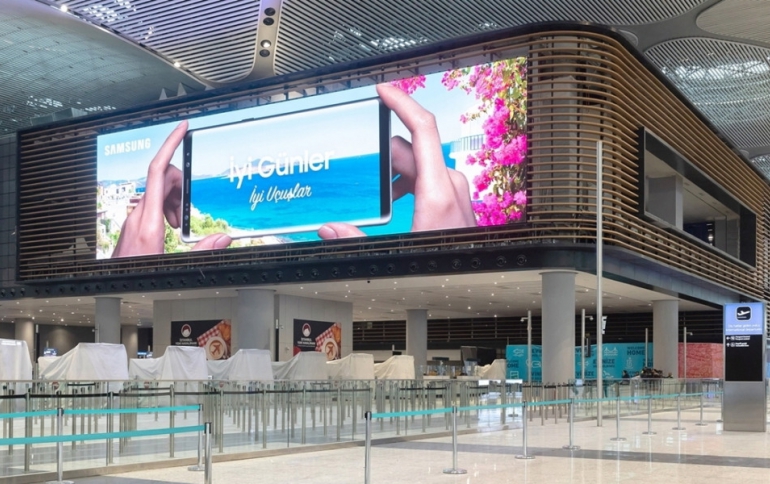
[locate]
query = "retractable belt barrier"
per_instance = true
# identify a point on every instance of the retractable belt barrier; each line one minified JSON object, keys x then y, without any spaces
{"x":60,"y":438}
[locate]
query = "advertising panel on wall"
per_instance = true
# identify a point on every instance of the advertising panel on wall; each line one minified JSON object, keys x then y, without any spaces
{"x":212,"y":335}
{"x":319,"y":336}
{"x":617,"y":357}
{"x":365,"y":161}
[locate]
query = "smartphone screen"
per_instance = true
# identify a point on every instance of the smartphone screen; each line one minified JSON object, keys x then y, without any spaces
{"x":289,"y":173}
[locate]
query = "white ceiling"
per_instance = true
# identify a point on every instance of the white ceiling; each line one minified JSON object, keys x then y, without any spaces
{"x":506,"y":294}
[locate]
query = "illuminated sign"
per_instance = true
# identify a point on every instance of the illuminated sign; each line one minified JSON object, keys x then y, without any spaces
{"x":433,"y":152}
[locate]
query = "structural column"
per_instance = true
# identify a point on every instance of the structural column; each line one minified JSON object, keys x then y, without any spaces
{"x":254,"y":319}
{"x":24,"y":330}
{"x":665,"y":336}
{"x":417,"y":336}
{"x":129,"y":336}
{"x":558,"y":326}
{"x":108,"y":320}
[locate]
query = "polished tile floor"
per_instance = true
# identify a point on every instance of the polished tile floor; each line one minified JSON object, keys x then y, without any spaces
{"x":697,"y":454}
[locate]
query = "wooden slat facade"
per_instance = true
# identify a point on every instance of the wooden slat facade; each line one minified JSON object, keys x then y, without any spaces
{"x":584,"y":86}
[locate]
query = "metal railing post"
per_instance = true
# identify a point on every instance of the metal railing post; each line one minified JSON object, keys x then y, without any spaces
{"x":649,"y":417}
{"x":617,"y":437}
{"x":524,"y":454}
{"x":368,"y":449}
{"x":27,"y":432}
{"x":200,"y":466}
{"x":678,"y":413}
{"x":208,"y":471}
{"x":455,"y":469}
{"x":60,"y":449}
{"x":571,"y":445}
{"x":700,"y":422}
{"x":110,"y":426}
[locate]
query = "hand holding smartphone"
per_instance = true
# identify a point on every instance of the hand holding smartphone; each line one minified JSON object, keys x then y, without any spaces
{"x":290,"y":173}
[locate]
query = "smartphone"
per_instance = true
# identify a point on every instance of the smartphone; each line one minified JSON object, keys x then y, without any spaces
{"x":289,"y":173}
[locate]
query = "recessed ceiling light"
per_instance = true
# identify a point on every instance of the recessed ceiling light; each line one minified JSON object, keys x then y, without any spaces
{"x":64,"y":8}
{"x":177,"y":64}
{"x":265,"y":44}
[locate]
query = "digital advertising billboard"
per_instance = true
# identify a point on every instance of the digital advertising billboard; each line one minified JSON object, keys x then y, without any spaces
{"x":432,"y":152}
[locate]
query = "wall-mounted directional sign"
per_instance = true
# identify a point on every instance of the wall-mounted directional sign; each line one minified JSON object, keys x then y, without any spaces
{"x":744,"y":325}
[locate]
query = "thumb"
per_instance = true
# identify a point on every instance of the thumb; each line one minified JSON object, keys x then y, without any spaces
{"x":339,"y":230}
{"x":213,"y":241}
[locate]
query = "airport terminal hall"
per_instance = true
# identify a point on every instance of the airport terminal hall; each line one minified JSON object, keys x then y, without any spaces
{"x":384,"y":242}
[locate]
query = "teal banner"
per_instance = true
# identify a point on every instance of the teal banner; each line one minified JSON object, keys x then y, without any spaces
{"x":617,"y":357}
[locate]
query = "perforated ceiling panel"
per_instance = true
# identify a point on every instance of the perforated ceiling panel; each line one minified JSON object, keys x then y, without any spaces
{"x":214,"y":40}
{"x":763,"y":163}
{"x":315,"y":33}
{"x":743,"y":19}
{"x":729,"y":82}
{"x":51,"y":62}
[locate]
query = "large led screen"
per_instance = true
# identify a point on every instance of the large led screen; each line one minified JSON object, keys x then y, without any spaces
{"x":440,"y":151}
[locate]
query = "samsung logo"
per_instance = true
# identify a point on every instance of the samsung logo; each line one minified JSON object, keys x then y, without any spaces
{"x":127,"y":147}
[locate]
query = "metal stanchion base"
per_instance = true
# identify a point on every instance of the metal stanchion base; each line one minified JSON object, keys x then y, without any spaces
{"x":60,"y":482}
{"x":570,"y":447}
{"x":525,"y":456}
{"x":455,"y":471}
{"x":678,"y":428}
{"x":649,"y":433}
{"x":618,"y":439}
{"x":197,"y":468}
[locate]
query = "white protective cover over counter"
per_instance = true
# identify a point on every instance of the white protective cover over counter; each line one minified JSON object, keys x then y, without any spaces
{"x":15,"y":363}
{"x":144,"y":368}
{"x":355,"y":366}
{"x":306,"y":365}
{"x":177,"y":363}
{"x":244,"y":365}
{"x":218,"y":369}
{"x":494,"y":371}
{"x":399,"y":367}
{"x":87,"y":362}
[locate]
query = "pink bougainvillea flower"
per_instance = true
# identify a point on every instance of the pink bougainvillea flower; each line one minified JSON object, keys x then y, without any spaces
{"x":409,"y":84}
{"x":501,"y":89}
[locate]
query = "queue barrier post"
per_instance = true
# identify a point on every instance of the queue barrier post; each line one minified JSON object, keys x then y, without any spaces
{"x":571,"y":445}
{"x":524,"y":454}
{"x":200,"y":465}
{"x":700,"y":422}
{"x":60,"y":449}
{"x":455,"y":469}
{"x":368,"y":449}
{"x":617,"y":437}
{"x":208,"y":471}
{"x":678,"y":413}
{"x":649,"y":417}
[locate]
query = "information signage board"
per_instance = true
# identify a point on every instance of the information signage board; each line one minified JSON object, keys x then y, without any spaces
{"x":744,"y":326}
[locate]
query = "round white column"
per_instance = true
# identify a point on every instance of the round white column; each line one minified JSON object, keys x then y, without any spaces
{"x":254,"y":319}
{"x":108,"y":320}
{"x":558,"y":309}
{"x":129,"y":336}
{"x":24,"y":330}
{"x":417,"y":336}
{"x":665,"y":337}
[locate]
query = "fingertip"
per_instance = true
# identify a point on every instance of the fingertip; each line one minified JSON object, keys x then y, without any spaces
{"x":222,"y":242}
{"x":327,"y":233}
